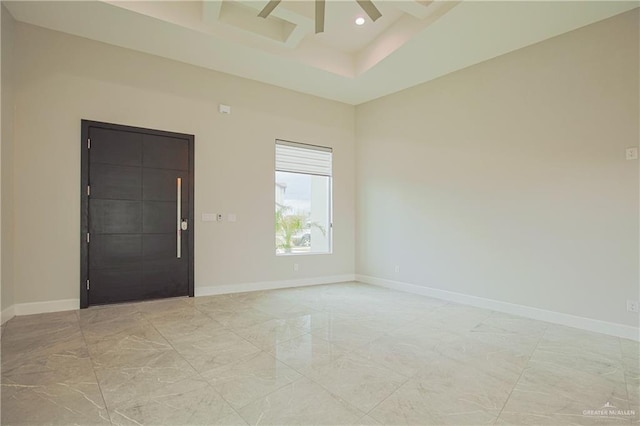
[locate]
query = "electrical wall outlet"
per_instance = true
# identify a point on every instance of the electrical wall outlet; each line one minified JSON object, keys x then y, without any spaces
{"x":632,"y":305}
{"x":296,"y":267}
{"x":631,"y":153}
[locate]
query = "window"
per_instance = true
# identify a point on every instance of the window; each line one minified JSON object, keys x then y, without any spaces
{"x":303,"y":198}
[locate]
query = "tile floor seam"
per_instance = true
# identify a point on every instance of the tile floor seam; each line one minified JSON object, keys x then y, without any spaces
{"x":149,"y":323}
{"x":296,"y":369}
{"x":274,"y":390}
{"x":379,"y":364}
{"x":411,"y":398}
{"x":288,"y":317}
{"x":330,"y":392}
{"x":520,"y":376}
{"x":343,"y":399}
{"x":229,"y":329}
{"x":93,"y":368}
{"x":279,"y":341}
{"x":409,"y":378}
{"x":624,"y":369}
{"x":351,"y":350}
{"x":626,"y":381}
{"x":198,"y":373}
{"x":388,"y":396}
{"x":261,"y":350}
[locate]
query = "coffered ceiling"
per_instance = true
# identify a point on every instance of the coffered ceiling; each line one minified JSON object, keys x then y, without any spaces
{"x":414,"y":41}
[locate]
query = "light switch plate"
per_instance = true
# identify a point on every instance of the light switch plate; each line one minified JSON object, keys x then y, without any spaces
{"x":208,"y":217}
{"x":631,"y":153}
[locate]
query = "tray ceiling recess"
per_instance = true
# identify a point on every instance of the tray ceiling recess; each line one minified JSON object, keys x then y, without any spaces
{"x":323,"y":33}
{"x":314,"y":46}
{"x":367,"y":6}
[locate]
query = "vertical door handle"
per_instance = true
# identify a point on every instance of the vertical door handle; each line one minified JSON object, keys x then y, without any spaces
{"x":179,"y":218}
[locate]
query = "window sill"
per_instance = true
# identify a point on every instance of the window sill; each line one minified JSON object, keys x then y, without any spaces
{"x":304,"y":254}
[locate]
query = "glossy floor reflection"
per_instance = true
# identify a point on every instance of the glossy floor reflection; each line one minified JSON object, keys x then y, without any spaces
{"x":333,"y":354}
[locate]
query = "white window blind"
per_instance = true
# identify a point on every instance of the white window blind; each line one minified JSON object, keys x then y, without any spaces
{"x":300,"y":158}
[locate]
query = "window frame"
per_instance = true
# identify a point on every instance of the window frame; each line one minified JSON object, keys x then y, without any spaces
{"x":329,"y":191}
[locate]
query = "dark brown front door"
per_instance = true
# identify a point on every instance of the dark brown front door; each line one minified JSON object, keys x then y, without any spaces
{"x":138,"y":243}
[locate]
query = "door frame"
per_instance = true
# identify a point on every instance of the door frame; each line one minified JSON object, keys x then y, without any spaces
{"x":84,"y":198}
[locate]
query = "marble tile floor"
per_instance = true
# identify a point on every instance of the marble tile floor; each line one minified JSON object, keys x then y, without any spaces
{"x":332,"y":354}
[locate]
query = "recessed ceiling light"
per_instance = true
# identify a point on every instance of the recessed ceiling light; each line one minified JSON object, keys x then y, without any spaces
{"x":359,"y":20}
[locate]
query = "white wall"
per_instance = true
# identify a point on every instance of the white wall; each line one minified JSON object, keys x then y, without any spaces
{"x":508,"y":181}
{"x":62,"y":79}
{"x":6,"y":166}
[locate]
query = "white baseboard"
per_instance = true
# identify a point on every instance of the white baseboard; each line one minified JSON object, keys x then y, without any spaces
{"x":45,"y":307}
{"x":72,"y":304}
{"x":270,"y":285}
{"x":7,"y":314}
{"x":604,"y":327}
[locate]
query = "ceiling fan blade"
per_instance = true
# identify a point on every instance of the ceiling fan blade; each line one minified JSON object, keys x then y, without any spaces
{"x":320,"y":16}
{"x":370,"y":9}
{"x":269,"y":8}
